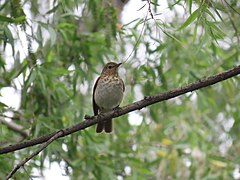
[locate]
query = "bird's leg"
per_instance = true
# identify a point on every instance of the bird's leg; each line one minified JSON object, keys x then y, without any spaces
{"x":117,"y":109}
{"x":100,"y":115}
{"x":91,"y":117}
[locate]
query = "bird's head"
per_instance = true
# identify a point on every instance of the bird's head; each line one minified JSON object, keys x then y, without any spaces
{"x":110,"y":69}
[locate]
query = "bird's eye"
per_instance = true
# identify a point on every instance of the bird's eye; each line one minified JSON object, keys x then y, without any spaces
{"x":110,"y":67}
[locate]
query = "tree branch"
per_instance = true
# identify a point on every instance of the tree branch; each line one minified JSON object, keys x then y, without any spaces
{"x":149,"y":100}
{"x":55,"y":136}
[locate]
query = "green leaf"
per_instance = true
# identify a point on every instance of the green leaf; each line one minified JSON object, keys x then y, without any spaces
{"x":53,"y":10}
{"x":53,"y":35}
{"x":171,"y":36}
{"x":190,"y":6}
{"x":210,"y":13}
{"x":61,"y":71}
{"x":216,"y":31}
{"x":6,"y":19}
{"x":42,"y":80}
{"x":190,"y":19}
{"x":195,"y":32}
{"x":12,"y":20}
{"x":31,"y":78}
{"x":2,"y":105}
{"x":20,"y":19}
{"x":9,"y":37}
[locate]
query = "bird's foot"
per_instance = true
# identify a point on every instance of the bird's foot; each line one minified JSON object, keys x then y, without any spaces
{"x":88,"y":116}
{"x":117,"y":109}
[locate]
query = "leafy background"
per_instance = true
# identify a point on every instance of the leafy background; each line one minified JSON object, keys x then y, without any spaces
{"x":52,"y":52}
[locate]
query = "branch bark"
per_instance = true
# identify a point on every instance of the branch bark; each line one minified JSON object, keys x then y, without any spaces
{"x":149,"y":100}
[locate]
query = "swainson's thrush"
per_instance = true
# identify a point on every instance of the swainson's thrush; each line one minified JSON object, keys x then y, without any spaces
{"x":107,"y":94}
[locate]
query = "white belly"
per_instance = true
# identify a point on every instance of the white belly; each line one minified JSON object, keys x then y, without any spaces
{"x":108,"y":95}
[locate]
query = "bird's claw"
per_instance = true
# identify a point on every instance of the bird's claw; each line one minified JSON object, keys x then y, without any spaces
{"x":117,"y":109}
{"x":88,"y":116}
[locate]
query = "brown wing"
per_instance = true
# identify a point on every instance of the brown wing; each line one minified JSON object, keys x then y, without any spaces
{"x":95,"y":106}
{"x":100,"y":125}
{"x":123,"y":85}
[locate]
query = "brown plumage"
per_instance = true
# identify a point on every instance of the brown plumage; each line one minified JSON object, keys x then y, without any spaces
{"x":107,"y":94}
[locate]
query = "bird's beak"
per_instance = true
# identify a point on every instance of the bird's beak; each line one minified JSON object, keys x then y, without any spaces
{"x":119,"y":64}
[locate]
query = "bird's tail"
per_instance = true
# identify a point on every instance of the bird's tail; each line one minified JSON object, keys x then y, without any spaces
{"x":106,"y":126}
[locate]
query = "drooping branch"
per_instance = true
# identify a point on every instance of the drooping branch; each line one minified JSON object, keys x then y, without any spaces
{"x":15,"y":127}
{"x":149,"y":100}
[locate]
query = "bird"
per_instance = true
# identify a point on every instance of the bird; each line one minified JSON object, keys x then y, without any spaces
{"x":108,"y":93}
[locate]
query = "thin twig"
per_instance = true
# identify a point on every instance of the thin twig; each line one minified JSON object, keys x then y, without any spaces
{"x":141,"y":33}
{"x":149,"y":9}
{"x":147,"y":101}
{"x":138,"y":39}
{"x":54,"y":137}
{"x":232,"y":7}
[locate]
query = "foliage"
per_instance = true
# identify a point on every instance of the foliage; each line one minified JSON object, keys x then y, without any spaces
{"x":57,"y":49}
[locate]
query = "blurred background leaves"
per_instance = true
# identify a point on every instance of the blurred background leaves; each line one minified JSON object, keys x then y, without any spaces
{"x":52,"y":52}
